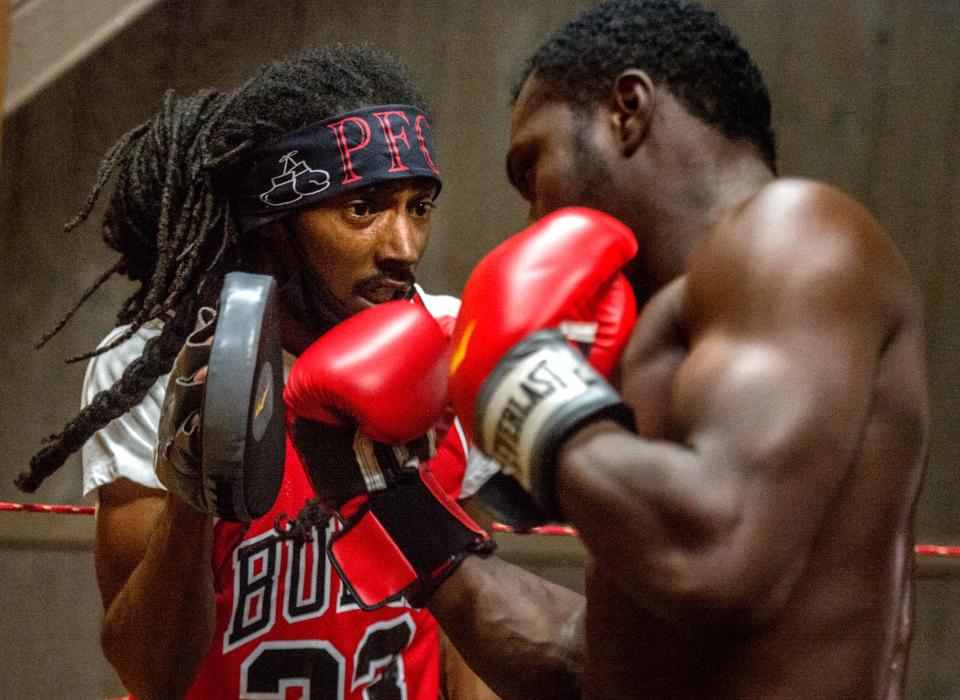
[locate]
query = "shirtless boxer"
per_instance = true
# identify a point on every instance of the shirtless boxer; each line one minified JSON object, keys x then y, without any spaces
{"x":745,"y":483}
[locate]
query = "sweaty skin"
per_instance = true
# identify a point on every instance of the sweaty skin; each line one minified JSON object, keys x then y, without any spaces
{"x":780,"y":401}
{"x":364,"y":247}
{"x":753,"y":538}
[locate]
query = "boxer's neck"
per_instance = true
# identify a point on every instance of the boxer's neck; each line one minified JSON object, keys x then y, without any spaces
{"x":689,"y":176}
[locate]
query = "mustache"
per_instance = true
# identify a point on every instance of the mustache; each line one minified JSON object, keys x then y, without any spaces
{"x":368,"y":284}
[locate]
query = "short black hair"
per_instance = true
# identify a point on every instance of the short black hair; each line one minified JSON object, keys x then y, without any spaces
{"x":681,"y":45}
{"x":170,"y":215}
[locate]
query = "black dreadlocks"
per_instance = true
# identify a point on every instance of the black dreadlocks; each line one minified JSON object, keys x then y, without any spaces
{"x":169,"y":215}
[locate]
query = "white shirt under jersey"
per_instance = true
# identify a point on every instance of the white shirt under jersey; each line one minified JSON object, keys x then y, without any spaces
{"x":123,"y":449}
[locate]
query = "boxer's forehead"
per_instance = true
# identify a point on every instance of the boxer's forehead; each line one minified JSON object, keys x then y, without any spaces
{"x":543,"y":127}
{"x":533,"y":110}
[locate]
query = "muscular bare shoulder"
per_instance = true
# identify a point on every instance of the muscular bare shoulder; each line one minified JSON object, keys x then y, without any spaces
{"x":799,"y":247}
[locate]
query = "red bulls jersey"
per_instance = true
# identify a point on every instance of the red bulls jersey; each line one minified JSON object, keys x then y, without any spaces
{"x":287,"y":628}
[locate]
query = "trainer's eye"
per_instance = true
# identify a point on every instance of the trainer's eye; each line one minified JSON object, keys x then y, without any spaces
{"x":359,"y":209}
{"x":423,"y":208}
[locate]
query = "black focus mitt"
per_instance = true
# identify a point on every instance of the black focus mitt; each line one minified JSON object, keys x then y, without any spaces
{"x":220,"y":442}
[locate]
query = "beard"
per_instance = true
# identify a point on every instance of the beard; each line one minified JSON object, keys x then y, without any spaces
{"x":596,"y":189}
{"x":594,"y":181}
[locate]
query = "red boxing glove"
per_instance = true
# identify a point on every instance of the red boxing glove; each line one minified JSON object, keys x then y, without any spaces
{"x":361,"y":403}
{"x":517,"y":384}
{"x":383,"y":368}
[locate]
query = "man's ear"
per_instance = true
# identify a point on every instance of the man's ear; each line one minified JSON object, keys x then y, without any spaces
{"x":633,"y":100}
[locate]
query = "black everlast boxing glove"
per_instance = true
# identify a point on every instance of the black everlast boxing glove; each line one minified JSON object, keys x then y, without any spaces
{"x":220,"y":440}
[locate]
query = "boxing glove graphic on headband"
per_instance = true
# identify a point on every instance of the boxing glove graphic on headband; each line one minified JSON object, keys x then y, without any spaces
{"x":362,"y":402}
{"x":544,"y":318}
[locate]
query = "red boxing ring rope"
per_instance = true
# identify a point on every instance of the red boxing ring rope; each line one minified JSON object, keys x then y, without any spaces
{"x":926,"y":550}
{"x":44,"y":508}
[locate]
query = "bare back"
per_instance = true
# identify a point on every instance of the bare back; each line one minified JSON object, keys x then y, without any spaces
{"x":782,"y":384}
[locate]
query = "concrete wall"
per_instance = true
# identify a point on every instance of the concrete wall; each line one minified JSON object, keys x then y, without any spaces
{"x":866,"y":95}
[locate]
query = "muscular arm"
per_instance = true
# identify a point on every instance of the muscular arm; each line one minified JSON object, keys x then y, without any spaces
{"x":153,"y":568}
{"x":457,"y":679}
{"x":521,"y":634}
{"x":784,"y":315}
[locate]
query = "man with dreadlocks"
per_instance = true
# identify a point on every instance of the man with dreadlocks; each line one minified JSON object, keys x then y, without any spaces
{"x":321,"y":172}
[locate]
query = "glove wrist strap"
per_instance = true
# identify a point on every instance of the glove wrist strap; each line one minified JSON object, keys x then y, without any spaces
{"x":406,"y":540}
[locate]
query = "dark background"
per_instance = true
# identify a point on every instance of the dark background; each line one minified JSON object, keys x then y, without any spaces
{"x":866,"y":96}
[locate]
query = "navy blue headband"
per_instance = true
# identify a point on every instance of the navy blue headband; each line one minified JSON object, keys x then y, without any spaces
{"x":338,"y":155}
